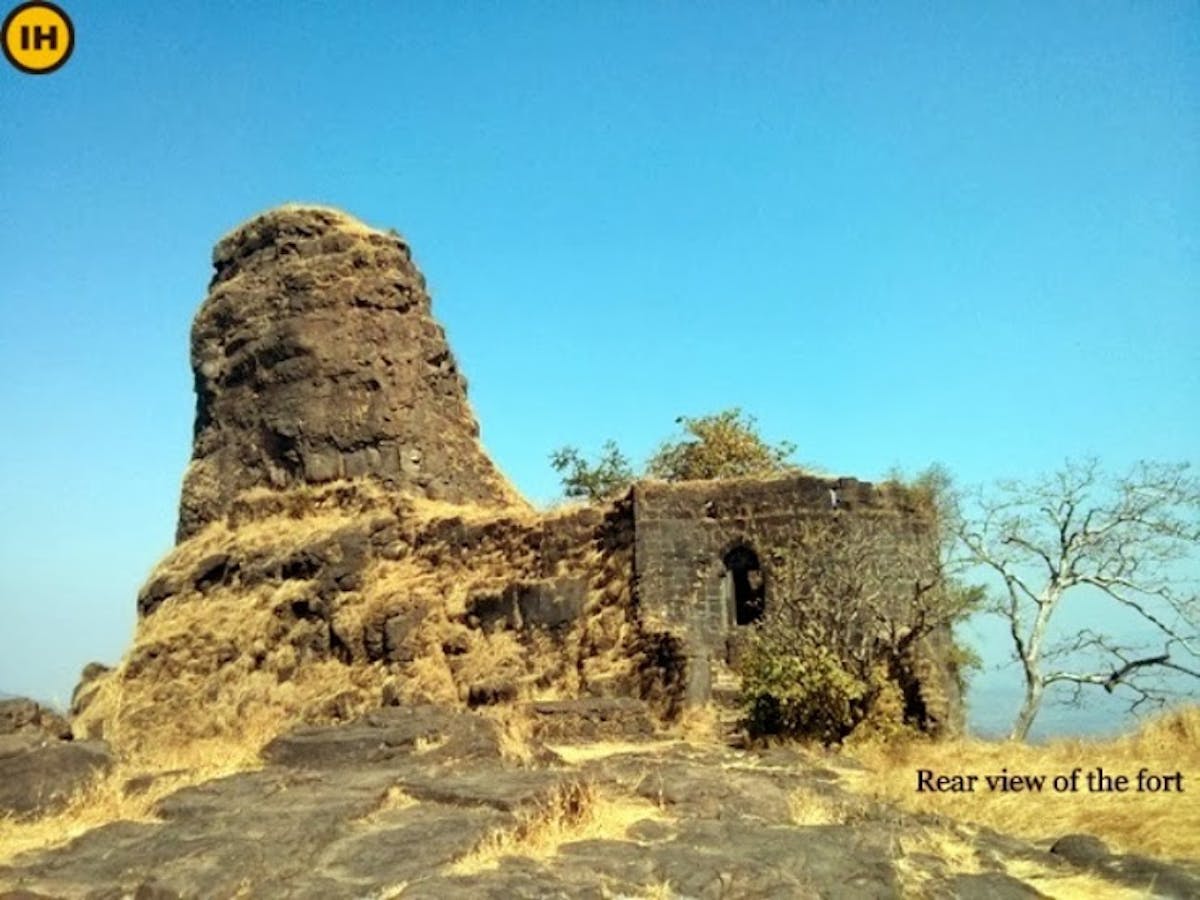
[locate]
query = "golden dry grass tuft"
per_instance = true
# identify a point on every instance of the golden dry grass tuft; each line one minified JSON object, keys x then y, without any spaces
{"x":660,"y":891}
{"x":807,"y":807}
{"x":516,"y":726}
{"x":1071,"y":885}
{"x":1162,"y":824}
{"x":698,"y":725}
{"x":577,"y":812}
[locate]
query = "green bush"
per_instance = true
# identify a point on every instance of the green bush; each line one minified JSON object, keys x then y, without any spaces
{"x":723,"y":445}
{"x":798,"y":688}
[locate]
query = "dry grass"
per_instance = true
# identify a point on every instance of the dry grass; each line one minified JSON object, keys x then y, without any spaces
{"x":578,"y":812}
{"x":516,"y":726}
{"x":698,"y":725}
{"x":1163,"y":824}
{"x":1067,"y":885}
{"x":807,"y":807}
{"x":661,"y":891}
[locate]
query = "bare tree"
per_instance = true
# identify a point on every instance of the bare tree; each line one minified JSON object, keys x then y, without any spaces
{"x":1124,"y":541}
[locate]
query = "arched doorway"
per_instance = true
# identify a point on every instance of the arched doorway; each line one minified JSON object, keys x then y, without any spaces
{"x":747,"y":585}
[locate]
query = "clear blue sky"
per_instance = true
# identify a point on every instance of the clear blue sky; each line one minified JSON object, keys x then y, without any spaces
{"x":895,"y":233}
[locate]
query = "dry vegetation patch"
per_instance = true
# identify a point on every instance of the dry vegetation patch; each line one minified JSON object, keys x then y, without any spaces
{"x":1069,"y":885}
{"x":577,"y":812}
{"x":1161,"y":824}
{"x":807,"y":807}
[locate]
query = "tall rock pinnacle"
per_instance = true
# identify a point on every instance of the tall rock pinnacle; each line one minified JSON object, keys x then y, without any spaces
{"x":316,"y":357}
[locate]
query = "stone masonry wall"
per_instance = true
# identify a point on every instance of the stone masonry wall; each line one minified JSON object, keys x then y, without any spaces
{"x":684,"y":531}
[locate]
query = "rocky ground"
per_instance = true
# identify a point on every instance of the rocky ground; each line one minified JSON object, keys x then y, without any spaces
{"x":420,"y":802}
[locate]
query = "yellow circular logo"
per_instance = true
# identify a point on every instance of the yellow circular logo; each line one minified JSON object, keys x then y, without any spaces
{"x":38,"y":37}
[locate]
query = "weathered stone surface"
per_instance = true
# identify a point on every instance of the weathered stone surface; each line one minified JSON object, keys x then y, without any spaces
{"x":689,"y":788}
{"x":354,"y":827}
{"x":389,"y":734}
{"x":591,"y":719}
{"x":399,"y":645}
{"x":316,"y":357}
{"x":410,"y":843}
{"x":552,"y":603}
{"x":991,"y":886}
{"x":1164,"y":878}
{"x":157,"y":591}
{"x":19,"y":715}
{"x":39,"y":774}
{"x":497,"y":787}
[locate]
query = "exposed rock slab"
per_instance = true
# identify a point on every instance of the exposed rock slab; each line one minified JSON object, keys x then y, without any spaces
{"x":389,"y":734}
{"x":346,"y":820}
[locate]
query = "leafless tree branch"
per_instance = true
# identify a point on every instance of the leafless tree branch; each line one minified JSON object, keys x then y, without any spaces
{"x":1080,"y":533}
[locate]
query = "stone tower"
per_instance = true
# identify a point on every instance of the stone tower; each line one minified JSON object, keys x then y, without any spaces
{"x":316,"y":357}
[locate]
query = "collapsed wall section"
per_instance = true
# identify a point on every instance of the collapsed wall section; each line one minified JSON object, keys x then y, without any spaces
{"x":317,"y":603}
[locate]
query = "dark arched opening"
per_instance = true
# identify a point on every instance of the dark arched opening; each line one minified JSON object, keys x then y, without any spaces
{"x":748,"y":585}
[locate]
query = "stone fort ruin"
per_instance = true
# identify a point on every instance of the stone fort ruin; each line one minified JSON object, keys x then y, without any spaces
{"x":344,"y":541}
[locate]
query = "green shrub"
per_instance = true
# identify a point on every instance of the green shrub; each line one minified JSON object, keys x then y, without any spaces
{"x":722,"y":445}
{"x":798,"y":688}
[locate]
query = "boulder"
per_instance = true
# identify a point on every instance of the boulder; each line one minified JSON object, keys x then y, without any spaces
{"x":399,"y":635}
{"x":39,"y":775}
{"x":19,"y":715}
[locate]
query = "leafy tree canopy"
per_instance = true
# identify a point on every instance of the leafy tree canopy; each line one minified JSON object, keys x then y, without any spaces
{"x":722,"y":445}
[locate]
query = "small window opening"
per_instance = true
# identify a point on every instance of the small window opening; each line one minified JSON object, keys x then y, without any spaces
{"x":748,"y":585}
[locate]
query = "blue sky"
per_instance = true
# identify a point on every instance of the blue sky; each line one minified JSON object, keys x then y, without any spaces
{"x":895,"y":233}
